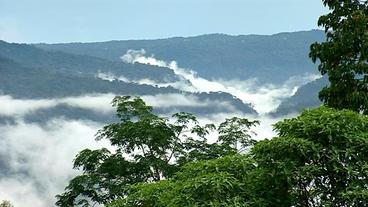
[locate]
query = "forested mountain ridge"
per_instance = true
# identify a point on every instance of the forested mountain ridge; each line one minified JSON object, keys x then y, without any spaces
{"x":305,"y":97}
{"x":31,"y":73}
{"x":60,"y":70}
{"x":270,"y":58}
{"x":35,"y":83}
{"x":30,"y":56}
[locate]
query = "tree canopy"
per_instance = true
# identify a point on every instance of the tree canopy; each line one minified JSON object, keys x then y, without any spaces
{"x":344,"y":54}
{"x":318,"y":159}
{"x":6,"y":203}
{"x":148,"y":148}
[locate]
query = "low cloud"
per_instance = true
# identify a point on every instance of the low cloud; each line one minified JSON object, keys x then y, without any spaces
{"x":267,"y":97}
{"x":39,"y":158}
{"x":97,"y":102}
{"x":36,"y":159}
{"x":19,"y":107}
{"x":262,"y":131}
{"x":101,"y":103}
{"x":264,"y":97}
{"x":183,"y":100}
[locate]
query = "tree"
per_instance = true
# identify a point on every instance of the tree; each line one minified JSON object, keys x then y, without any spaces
{"x":318,"y":159}
{"x":217,"y":182}
{"x":147,"y":148}
{"x":344,"y":55}
{"x":6,"y":204}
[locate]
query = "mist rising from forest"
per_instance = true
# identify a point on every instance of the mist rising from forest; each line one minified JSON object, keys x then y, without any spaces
{"x":38,"y":157}
{"x":264,"y":97}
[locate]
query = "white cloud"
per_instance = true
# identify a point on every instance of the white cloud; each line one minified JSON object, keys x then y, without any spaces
{"x":39,"y":157}
{"x":17,"y":107}
{"x":100,"y":103}
{"x":183,"y":100}
{"x":265,"y":98}
{"x":263,"y":130}
{"x":96,"y":102}
{"x":20,"y":107}
{"x":45,"y":154}
{"x":20,"y":192}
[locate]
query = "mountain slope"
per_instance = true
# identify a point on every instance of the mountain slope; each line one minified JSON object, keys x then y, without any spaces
{"x":305,"y":97}
{"x":27,"y":82}
{"x":270,"y":58}
{"x":38,"y":83}
{"x":61,"y":62}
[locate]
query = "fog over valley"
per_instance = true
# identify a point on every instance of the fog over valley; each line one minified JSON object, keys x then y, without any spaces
{"x":162,"y":103}
{"x":55,"y":97}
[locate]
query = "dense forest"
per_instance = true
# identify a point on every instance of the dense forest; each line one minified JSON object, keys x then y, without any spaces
{"x":284,"y":52}
{"x":318,"y":158}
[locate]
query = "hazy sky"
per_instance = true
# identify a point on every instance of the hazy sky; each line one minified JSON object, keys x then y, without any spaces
{"x":99,"y":20}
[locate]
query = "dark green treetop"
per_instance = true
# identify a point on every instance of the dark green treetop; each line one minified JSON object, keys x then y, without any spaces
{"x":318,"y":159}
{"x":6,"y":203}
{"x":344,"y":55}
{"x":147,"y":148}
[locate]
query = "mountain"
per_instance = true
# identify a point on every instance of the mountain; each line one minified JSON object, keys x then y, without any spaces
{"x":54,"y":97}
{"x":269,"y":58}
{"x":62,"y":70}
{"x":32,"y":73}
{"x":35,"y":83}
{"x":305,"y":97}
{"x":30,"y":56}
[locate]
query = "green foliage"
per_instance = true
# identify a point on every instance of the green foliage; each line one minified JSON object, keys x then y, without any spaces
{"x":218,"y":182}
{"x":6,"y":204}
{"x":236,"y":130}
{"x":319,"y":159}
{"x":147,"y":148}
{"x":43,"y":82}
{"x":77,"y":65}
{"x":269,"y":58}
{"x":344,"y":55}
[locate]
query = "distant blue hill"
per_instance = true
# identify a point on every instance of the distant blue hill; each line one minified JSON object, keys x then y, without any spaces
{"x":270,"y":58}
{"x":305,"y":97}
{"x":27,"y":72}
{"x":60,"y":70}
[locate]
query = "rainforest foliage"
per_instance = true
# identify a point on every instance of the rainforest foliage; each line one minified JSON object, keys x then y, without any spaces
{"x":147,"y":148}
{"x":317,"y":159}
{"x":343,"y":56}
